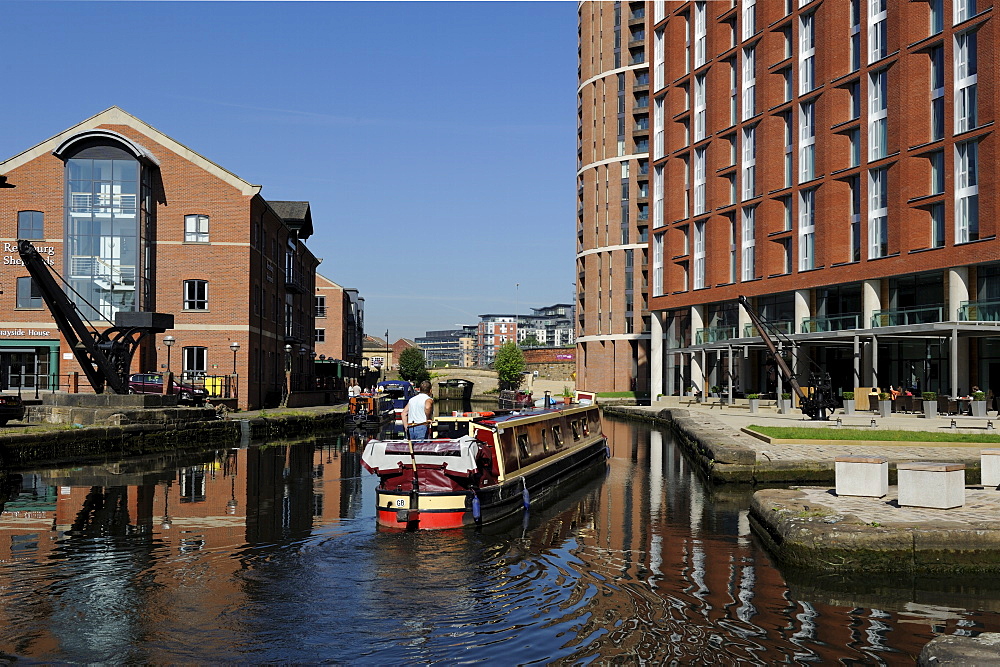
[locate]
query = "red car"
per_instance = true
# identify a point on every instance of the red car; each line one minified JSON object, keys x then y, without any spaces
{"x":152,"y":383}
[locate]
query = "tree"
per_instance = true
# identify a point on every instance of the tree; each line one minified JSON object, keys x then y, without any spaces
{"x":531,"y":341}
{"x":412,"y":366}
{"x":509,"y":365}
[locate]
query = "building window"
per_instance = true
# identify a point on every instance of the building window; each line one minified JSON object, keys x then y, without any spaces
{"x":699,"y":254}
{"x":964,"y":10}
{"x":966,"y":192}
{"x":749,"y":18}
{"x":699,"y":181}
{"x":749,"y":243}
{"x":749,"y":84}
{"x":786,"y":203}
{"x":966,"y":76}
{"x":877,"y":118}
{"x":786,"y":118}
{"x":854,"y":137}
{"x":658,"y":196}
{"x":194,"y":359}
{"x":30,"y":225}
{"x":854,"y":91}
{"x":937,"y":16}
{"x":733,"y":93}
{"x":937,"y":225}
{"x":320,"y":305}
{"x":195,"y":295}
{"x":877,"y":30}
{"x":658,"y":264}
{"x":807,"y":54}
{"x":937,"y":93}
{"x":700,"y":34}
{"x":786,"y":254}
{"x":28,"y":295}
{"x":807,"y":142}
{"x":807,"y":230}
{"x":937,"y":172}
{"x":878,"y":213}
{"x":658,"y":125}
{"x":855,"y":32}
{"x":733,"y":249}
{"x":659,"y":60}
{"x":855,"y":185}
{"x":749,"y":163}
{"x":320,"y":336}
{"x":699,"y":107}
{"x":196,"y":229}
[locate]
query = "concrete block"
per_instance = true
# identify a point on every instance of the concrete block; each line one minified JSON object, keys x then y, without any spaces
{"x":862,"y":476}
{"x":935,"y":485}
{"x":990,"y":467}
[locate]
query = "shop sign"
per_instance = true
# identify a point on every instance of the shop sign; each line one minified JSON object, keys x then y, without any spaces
{"x":15,"y":260}
{"x":17,"y":333}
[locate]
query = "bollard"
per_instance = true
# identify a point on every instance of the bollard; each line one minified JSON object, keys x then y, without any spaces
{"x":953,"y":425}
{"x":873,"y":422}
{"x":989,"y":425}
{"x":839,"y":422}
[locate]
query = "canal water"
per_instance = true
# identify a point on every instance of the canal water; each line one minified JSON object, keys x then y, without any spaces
{"x":270,"y":553}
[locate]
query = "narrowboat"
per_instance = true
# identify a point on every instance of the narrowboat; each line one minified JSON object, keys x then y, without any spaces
{"x":400,"y":392}
{"x":369,"y":410}
{"x":507,"y":463}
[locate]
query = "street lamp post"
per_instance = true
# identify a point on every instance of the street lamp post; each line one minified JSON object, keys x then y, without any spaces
{"x":288,"y":372}
{"x":169,"y":342}
{"x":235,"y":347}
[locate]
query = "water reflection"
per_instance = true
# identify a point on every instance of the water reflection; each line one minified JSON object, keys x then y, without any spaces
{"x":270,"y":553}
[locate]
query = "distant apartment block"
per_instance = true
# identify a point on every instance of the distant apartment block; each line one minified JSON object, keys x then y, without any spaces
{"x":454,"y":347}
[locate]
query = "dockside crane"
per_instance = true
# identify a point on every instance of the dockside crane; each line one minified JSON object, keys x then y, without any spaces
{"x":105,"y":356}
{"x":815,"y":406}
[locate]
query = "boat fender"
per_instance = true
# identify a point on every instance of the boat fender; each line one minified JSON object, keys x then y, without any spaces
{"x":477,"y":512}
{"x":525,"y":496}
{"x":607,"y":452}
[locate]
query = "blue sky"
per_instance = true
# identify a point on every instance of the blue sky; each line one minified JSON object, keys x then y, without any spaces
{"x":434,"y":141}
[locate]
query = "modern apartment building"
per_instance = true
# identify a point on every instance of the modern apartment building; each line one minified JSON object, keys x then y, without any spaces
{"x":551,"y":326}
{"x":133,"y":220}
{"x":833,"y":161}
{"x":493,"y":331}
{"x":452,"y":347}
{"x":613,"y":198}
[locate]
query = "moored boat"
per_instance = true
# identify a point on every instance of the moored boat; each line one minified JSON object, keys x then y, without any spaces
{"x":399,"y":391}
{"x":369,"y":409}
{"x":508,"y":463}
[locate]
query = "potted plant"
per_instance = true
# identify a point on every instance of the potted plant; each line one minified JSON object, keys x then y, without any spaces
{"x":567,"y":395}
{"x":754,"y":400}
{"x":884,"y":404}
{"x":979,"y":404}
{"x":848,"y":402}
{"x":785,"y":403}
{"x":714,"y":391}
{"x":930,"y":404}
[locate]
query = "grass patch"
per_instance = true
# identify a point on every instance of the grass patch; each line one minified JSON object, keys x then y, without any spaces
{"x":799,"y":433}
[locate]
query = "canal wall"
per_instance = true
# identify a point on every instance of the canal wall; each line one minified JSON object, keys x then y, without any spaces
{"x":46,"y":445}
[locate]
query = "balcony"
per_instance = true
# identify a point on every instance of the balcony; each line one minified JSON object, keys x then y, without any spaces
{"x":785,"y":327}
{"x":826,"y":324}
{"x":979,"y":311}
{"x":713,"y":335}
{"x":907,"y":316}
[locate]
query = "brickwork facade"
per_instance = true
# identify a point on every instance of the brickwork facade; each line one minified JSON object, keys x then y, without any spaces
{"x":211,"y":251}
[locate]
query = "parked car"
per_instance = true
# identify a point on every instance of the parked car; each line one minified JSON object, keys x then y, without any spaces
{"x":11,"y":407}
{"x":152,"y":383}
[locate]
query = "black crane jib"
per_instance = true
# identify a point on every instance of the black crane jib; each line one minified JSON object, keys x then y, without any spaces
{"x":105,"y":357}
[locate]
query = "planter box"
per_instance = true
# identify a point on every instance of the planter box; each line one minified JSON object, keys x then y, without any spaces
{"x":936,"y":485}
{"x":990,"y":467}
{"x":862,"y":476}
{"x":978,"y":408}
{"x":754,"y":405}
{"x":784,"y":406}
{"x":930,"y":409}
{"x":848,"y":406}
{"x":885,"y":408}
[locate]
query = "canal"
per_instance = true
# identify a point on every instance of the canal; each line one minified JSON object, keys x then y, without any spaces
{"x":270,"y":553}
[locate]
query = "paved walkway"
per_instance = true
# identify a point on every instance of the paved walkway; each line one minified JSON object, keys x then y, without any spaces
{"x":739,"y":417}
{"x":981,"y":509}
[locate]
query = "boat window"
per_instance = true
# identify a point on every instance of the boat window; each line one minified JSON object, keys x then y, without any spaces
{"x":522,"y":445}
{"x":586,"y":426}
{"x":545,"y":439}
{"x":557,"y":434}
{"x":575,"y":425}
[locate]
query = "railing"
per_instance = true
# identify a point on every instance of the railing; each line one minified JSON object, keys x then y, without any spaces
{"x":713,"y":334}
{"x":905,"y":316}
{"x":824,"y":324}
{"x":320,"y":311}
{"x":785,"y":327}
{"x":979,"y":311}
{"x":86,"y":202}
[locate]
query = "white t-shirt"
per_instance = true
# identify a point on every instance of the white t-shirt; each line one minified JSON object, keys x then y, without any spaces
{"x":415,"y":413}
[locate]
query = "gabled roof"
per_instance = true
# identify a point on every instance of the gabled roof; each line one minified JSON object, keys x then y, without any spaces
{"x":296,"y":215}
{"x":117,"y":116}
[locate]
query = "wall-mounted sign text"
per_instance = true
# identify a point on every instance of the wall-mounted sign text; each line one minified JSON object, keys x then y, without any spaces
{"x":14,"y":333}
{"x":15,"y":259}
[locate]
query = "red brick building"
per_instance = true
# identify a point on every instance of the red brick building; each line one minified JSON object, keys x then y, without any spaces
{"x":136,"y":221}
{"x":612,"y":227}
{"x":833,"y":161}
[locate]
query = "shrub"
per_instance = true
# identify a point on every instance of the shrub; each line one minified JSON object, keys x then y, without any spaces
{"x":979,"y":395}
{"x":929,"y":396}
{"x":848,"y":395}
{"x":785,"y":396}
{"x":753,"y":396}
{"x":883,"y":396}
{"x":714,"y":389}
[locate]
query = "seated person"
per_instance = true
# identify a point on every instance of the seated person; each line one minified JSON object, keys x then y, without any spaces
{"x":894,"y":392}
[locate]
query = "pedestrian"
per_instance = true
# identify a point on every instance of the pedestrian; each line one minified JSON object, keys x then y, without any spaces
{"x":418,"y":413}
